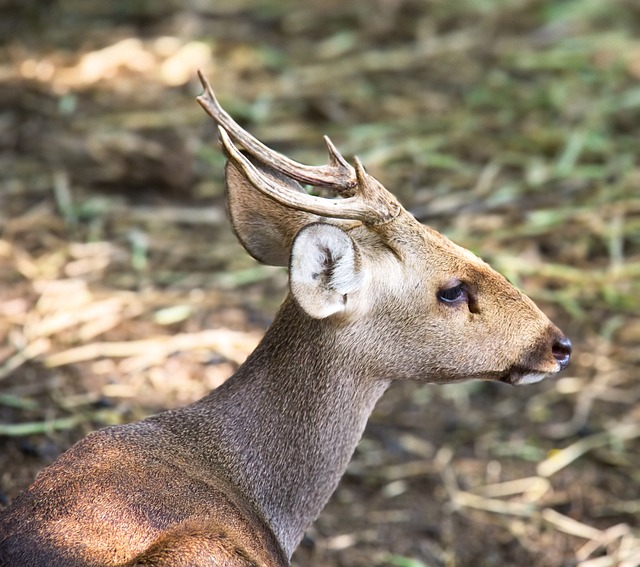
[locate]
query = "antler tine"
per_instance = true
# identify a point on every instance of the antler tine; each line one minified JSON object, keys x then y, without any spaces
{"x":371,"y":207}
{"x":337,"y":174}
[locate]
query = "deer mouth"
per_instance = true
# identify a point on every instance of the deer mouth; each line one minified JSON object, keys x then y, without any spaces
{"x":523,"y":376}
{"x":549,"y":356}
{"x":529,"y":378}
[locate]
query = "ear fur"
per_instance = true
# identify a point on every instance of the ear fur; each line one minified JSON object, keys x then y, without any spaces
{"x":325,"y":268}
{"x":265,"y":228}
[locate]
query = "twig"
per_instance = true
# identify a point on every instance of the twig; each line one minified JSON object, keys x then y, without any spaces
{"x":566,"y":456}
{"x":232,"y":345}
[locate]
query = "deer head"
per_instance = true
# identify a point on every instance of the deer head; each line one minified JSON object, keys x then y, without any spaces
{"x":418,"y":306}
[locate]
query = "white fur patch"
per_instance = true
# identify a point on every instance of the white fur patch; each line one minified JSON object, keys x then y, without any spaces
{"x":318,"y":242}
{"x":531,"y":378}
{"x":324,"y":269}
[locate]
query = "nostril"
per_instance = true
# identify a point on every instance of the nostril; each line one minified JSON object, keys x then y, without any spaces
{"x":562,"y":351}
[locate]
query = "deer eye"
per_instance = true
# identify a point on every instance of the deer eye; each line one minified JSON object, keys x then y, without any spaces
{"x":453,"y":294}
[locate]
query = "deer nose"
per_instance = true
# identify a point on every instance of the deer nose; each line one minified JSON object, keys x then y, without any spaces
{"x":562,"y":351}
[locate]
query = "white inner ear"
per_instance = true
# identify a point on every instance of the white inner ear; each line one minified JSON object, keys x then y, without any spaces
{"x":325,"y":270}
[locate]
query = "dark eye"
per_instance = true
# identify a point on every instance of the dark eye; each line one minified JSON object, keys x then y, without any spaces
{"x":452,"y":294}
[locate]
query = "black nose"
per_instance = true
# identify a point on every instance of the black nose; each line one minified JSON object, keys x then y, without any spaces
{"x":562,"y":351}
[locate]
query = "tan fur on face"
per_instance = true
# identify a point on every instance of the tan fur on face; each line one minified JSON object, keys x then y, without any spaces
{"x":501,"y":335}
{"x":504,"y":336}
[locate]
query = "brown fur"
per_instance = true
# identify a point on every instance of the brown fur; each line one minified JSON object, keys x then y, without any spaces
{"x":235,"y":479}
{"x":132,"y":496}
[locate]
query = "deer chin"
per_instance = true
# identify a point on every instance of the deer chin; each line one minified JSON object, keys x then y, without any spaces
{"x":529,"y":378}
{"x":524,"y":376}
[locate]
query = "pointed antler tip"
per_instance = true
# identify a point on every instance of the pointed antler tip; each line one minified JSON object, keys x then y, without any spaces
{"x":204,"y":80}
{"x":227,"y":144}
{"x":224,"y":138}
{"x":335,"y":157}
{"x":207,"y":95}
{"x":337,"y":160}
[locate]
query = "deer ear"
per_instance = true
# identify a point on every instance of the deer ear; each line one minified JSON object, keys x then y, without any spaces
{"x":325,"y":269}
{"x":265,"y":228}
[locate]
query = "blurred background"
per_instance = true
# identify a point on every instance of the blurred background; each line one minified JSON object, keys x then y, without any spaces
{"x":510,"y":126}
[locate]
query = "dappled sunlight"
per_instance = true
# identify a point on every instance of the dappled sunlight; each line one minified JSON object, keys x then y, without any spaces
{"x":166,"y":59}
{"x":58,"y":313}
{"x":511,"y":127}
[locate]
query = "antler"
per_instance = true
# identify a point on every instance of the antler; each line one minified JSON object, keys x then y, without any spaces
{"x":337,"y":174}
{"x":366,"y":200}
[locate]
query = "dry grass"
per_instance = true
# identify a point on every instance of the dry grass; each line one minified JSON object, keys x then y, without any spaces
{"x":512,"y":127}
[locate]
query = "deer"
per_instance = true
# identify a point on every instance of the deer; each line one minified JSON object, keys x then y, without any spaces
{"x":236,"y":478}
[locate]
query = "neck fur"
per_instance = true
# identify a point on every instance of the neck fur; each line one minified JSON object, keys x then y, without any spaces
{"x":285,"y":426}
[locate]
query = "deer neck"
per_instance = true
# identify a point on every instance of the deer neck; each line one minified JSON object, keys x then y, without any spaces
{"x":287,"y":423}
